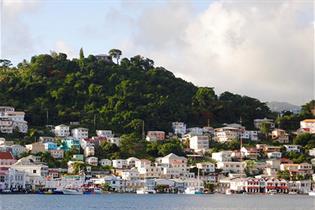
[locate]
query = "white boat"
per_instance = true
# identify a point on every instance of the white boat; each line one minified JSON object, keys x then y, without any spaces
{"x":292,"y":193}
{"x":228,"y":192}
{"x":145,"y":191}
{"x":98,"y":191}
{"x":72,"y":192}
{"x":193,"y":191}
{"x":312,"y":193}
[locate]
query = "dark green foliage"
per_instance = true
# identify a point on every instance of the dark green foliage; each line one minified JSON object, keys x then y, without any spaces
{"x":116,"y":96}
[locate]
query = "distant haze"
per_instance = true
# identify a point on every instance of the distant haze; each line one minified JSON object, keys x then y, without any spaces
{"x":282,"y":106}
{"x":263,"y":49}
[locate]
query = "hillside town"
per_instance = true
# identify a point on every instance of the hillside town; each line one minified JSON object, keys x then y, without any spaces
{"x":265,"y":160}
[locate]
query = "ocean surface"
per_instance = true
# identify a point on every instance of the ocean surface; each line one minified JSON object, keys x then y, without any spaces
{"x":156,"y":202}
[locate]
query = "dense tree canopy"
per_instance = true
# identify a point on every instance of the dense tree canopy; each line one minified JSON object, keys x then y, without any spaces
{"x":102,"y":94}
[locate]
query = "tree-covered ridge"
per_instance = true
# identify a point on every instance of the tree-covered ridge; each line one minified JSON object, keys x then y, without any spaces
{"x":119,"y":96}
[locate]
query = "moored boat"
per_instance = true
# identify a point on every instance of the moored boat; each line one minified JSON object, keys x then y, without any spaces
{"x":312,"y":193}
{"x":145,"y":191}
{"x":193,"y":191}
{"x":69,"y":191}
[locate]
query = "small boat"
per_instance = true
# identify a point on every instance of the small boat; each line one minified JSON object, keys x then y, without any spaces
{"x":72,"y":191}
{"x":193,"y":191}
{"x":312,"y":193}
{"x":292,"y":193}
{"x":228,"y":192}
{"x":145,"y":191}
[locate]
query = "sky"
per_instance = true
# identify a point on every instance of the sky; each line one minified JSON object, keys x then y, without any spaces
{"x":263,"y":49}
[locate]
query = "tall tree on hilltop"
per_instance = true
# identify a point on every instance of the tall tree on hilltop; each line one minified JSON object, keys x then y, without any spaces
{"x":115,"y":53}
{"x":81,"y":54}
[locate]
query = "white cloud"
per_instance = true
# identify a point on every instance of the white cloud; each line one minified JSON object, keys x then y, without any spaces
{"x":63,"y":47}
{"x":264,"y":50}
{"x":16,"y":38}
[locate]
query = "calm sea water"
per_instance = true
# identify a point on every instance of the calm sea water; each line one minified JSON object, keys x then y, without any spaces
{"x":156,"y":202}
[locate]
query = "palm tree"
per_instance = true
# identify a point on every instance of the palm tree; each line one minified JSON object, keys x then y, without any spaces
{"x":115,"y":53}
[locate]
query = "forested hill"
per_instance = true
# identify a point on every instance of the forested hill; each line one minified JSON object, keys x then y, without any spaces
{"x":107,"y":95}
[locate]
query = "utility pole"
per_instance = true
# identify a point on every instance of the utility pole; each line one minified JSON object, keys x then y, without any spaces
{"x":94,"y":121}
{"x":143,"y":132}
{"x":241,"y":145}
{"x":47,"y":116}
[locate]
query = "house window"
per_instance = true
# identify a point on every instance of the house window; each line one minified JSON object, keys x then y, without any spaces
{"x":34,"y":171}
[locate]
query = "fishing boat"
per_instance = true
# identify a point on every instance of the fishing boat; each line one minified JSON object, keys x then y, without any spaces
{"x":69,"y":191}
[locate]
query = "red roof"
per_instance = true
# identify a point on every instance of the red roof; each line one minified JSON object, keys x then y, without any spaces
{"x":6,"y":156}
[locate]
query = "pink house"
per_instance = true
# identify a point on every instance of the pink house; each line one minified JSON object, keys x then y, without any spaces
{"x":155,"y":136}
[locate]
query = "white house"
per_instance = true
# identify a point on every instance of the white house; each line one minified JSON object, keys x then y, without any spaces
{"x":179,"y":128}
{"x":89,"y":151}
{"x":301,"y":186}
{"x":62,"y":130}
{"x":80,"y":133}
{"x":199,"y":143}
{"x":17,"y":150}
{"x":130,"y":174}
{"x":142,"y":163}
{"x":308,"y":125}
{"x":11,"y":120}
{"x":155,"y":136}
{"x":131,"y":162}
{"x":150,"y":171}
{"x":311,"y":152}
{"x":105,"y":133}
{"x":232,"y":167}
{"x":222,"y":156}
{"x":206,"y":167}
{"x":115,"y":140}
{"x":92,"y":161}
{"x":280,"y":136}
{"x":195,"y":131}
{"x":105,"y":162}
{"x":259,"y":122}
{"x":173,"y":166}
{"x":292,"y":148}
{"x":250,"y":135}
{"x":226,"y":134}
{"x":119,"y":163}
{"x":274,"y":154}
{"x":12,"y":179}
